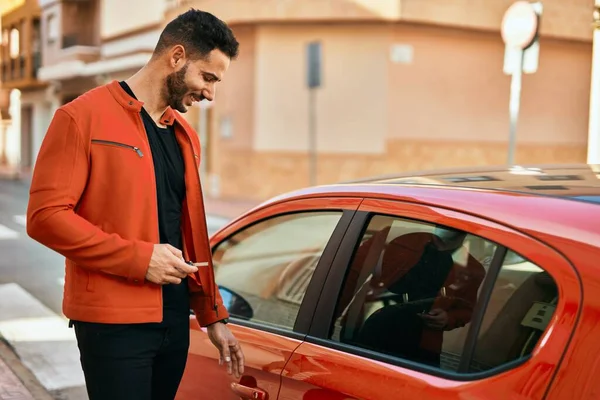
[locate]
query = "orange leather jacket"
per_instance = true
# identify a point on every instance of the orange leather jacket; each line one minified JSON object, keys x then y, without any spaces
{"x":93,"y":200}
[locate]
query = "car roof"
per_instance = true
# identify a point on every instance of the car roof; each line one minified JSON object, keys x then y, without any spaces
{"x":574,"y":182}
{"x":555,"y":200}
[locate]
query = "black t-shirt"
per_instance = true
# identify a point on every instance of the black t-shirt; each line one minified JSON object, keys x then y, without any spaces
{"x":170,"y":190}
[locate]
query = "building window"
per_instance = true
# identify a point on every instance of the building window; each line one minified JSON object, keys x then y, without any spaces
{"x":14,"y":43}
{"x":52,"y":28}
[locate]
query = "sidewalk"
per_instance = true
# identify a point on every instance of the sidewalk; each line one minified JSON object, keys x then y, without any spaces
{"x":16,"y":381}
{"x":8,"y":173}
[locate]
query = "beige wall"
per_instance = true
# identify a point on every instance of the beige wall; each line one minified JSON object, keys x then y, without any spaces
{"x":455,"y":88}
{"x":236,"y":94}
{"x":121,"y":16}
{"x":567,"y":19}
{"x":351,"y":104}
{"x":446,"y":106}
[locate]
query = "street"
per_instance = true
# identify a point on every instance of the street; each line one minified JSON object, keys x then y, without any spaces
{"x":31,"y":288}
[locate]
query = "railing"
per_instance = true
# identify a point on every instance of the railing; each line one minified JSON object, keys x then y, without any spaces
{"x":36,"y":63}
{"x":70,"y":41}
{"x":16,"y":68}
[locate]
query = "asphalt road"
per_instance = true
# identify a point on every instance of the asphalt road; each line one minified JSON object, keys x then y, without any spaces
{"x":37,"y":269}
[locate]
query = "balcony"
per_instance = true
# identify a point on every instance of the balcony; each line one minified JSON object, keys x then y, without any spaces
{"x":21,"y":72}
{"x":20,"y":49}
{"x":71,"y":38}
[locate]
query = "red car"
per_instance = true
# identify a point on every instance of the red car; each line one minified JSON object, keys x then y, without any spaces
{"x":472,"y":284}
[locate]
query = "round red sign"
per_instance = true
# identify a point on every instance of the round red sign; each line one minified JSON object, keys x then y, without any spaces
{"x":519,"y":25}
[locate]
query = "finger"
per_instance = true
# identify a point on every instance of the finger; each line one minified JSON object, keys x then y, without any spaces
{"x":184,"y":267}
{"x":175,"y":251}
{"x":172,"y":271}
{"x":226,"y":356}
{"x":234,"y":364}
{"x":170,"y":279}
{"x":239,"y":355}
{"x":235,"y":359}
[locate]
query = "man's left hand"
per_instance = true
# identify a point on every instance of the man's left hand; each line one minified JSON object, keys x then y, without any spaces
{"x":229,"y":349}
{"x":436,"y":319}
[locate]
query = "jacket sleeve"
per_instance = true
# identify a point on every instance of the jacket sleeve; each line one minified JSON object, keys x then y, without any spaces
{"x":59,"y":179}
{"x":204,"y":309}
{"x":461,"y":312}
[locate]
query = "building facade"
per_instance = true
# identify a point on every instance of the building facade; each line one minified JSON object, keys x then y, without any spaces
{"x":27,"y":115}
{"x":406,"y":85}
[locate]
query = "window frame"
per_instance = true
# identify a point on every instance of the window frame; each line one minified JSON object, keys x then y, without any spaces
{"x":346,"y":206}
{"x":488,"y":230}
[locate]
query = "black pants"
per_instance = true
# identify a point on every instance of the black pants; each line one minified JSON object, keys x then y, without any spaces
{"x":132,"y":361}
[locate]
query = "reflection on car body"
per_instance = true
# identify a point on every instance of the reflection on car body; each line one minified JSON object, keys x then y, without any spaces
{"x":432,"y":286}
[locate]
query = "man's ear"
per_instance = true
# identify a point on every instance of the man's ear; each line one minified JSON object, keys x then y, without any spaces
{"x":177,"y":56}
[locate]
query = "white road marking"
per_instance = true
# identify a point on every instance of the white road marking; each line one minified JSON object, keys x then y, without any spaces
{"x":7,"y":233}
{"x":20,"y":219}
{"x":42,"y":339}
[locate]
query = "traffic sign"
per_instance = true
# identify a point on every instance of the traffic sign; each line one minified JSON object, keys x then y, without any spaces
{"x":520,"y":25}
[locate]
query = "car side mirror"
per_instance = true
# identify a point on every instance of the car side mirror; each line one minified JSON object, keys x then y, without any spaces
{"x":236,"y":305}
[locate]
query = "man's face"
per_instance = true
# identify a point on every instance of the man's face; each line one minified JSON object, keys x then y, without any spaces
{"x":195,"y":80}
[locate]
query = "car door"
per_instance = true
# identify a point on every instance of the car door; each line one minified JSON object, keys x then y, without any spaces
{"x":495,"y":328}
{"x":270,"y":267}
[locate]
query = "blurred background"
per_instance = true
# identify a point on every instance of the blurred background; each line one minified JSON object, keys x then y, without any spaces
{"x":405,"y":85}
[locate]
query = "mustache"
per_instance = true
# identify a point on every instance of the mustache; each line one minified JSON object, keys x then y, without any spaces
{"x":198,"y":96}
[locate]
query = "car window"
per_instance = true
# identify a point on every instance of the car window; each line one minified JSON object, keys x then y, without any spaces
{"x":412,"y":288}
{"x":521,"y":305}
{"x":264,"y":270}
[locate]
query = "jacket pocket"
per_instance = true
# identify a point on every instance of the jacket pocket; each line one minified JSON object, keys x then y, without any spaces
{"x":118,"y":144}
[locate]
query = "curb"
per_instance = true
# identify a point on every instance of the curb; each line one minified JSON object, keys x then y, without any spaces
{"x":37,"y":391}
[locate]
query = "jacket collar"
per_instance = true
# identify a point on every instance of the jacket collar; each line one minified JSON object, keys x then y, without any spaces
{"x":134,"y":105}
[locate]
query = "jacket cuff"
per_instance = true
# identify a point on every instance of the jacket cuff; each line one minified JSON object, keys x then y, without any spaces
{"x":205,"y":312}
{"x":141,"y":262}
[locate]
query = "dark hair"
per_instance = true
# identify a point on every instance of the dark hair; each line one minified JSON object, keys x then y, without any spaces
{"x":199,"y":32}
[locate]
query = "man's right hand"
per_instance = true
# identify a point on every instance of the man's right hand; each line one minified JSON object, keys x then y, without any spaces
{"x":167,"y":265}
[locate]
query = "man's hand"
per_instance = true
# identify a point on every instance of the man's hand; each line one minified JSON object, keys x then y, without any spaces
{"x":436,"y":318}
{"x":167,"y":265}
{"x":229,"y":348}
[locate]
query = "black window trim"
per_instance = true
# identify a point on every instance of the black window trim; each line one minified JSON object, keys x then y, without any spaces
{"x":317,"y":282}
{"x":320,"y":329}
{"x":480,"y":308}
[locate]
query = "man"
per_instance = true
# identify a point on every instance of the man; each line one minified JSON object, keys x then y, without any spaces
{"x":438,"y":294}
{"x":116,"y":191}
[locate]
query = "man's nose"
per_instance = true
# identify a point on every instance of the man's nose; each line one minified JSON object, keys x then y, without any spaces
{"x":209,"y":93}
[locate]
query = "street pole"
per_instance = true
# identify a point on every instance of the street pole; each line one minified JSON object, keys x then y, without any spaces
{"x":593,"y":153}
{"x":520,"y":33}
{"x":313,"y":82}
{"x":312,"y":135}
{"x":513,"y":107}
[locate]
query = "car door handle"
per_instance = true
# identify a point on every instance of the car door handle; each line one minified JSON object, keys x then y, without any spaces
{"x":248,"y":392}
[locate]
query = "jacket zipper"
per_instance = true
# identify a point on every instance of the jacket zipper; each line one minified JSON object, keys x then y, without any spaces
{"x":212,"y":269}
{"x":140,"y":123}
{"x":117,"y":144}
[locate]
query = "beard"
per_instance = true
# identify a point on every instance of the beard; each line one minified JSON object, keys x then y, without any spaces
{"x":176,"y":89}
